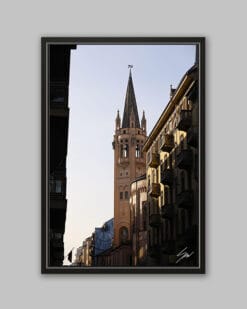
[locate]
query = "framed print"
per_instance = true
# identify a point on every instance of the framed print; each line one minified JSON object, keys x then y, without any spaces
{"x":123,"y":155}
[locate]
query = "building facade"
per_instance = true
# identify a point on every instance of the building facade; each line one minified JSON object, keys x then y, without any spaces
{"x":87,"y":252}
{"x":138,"y":219}
{"x":156,"y":186}
{"x":129,"y":163}
{"x":172,"y":178}
{"x":59,"y":59}
{"x":102,"y":242}
{"x":78,"y":257}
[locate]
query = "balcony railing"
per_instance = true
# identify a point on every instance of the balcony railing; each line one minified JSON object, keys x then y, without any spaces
{"x":123,"y":160}
{"x":184,"y":159}
{"x":192,"y":136}
{"x":140,"y":160}
{"x":185,"y":199}
{"x":168,"y":143}
{"x":154,"y":160}
{"x":166,"y":176}
{"x":154,"y":220}
{"x":154,"y":190}
{"x":185,"y":120}
{"x":168,"y":211}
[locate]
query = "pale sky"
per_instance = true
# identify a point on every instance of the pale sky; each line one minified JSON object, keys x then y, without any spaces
{"x":98,"y":82}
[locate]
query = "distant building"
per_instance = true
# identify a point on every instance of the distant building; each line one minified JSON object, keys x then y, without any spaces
{"x":59,"y":60}
{"x":87,"y":247}
{"x":172,"y":177}
{"x":78,"y":257}
{"x":102,"y":242}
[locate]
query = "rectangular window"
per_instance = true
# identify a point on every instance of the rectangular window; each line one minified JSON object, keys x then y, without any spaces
{"x":121,"y":195}
{"x":58,"y":186}
{"x":58,"y":94}
{"x":126,"y":195}
{"x":55,"y":186}
{"x":58,"y":236}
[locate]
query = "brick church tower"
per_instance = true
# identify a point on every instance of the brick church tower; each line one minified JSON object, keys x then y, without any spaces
{"x":129,"y":162}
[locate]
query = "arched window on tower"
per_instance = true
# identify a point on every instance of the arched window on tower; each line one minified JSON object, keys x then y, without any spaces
{"x":125,"y":151}
{"x":138,"y":151}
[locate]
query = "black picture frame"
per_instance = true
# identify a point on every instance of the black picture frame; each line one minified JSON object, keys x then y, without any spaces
{"x":45,"y":148}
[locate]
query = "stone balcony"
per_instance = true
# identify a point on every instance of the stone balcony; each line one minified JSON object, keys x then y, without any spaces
{"x":154,"y":160}
{"x":185,"y":120}
{"x":154,"y":190}
{"x":167,"y":143}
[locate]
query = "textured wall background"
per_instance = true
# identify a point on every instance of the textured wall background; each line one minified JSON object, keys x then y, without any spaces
{"x":21,"y":25}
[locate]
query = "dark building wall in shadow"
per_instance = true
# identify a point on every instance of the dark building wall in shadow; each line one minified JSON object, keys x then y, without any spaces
{"x":59,"y":65}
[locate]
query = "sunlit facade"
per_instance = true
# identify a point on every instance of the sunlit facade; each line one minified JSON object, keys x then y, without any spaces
{"x":87,"y":247}
{"x":172,"y":177}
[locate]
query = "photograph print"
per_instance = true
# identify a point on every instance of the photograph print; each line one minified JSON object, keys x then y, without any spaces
{"x":123,"y":155}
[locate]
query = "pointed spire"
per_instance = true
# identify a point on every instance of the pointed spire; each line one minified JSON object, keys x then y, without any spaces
{"x":143,"y":121}
{"x":118,"y":121}
{"x":130,"y":104}
{"x":132,"y":118}
{"x":118,"y":117}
